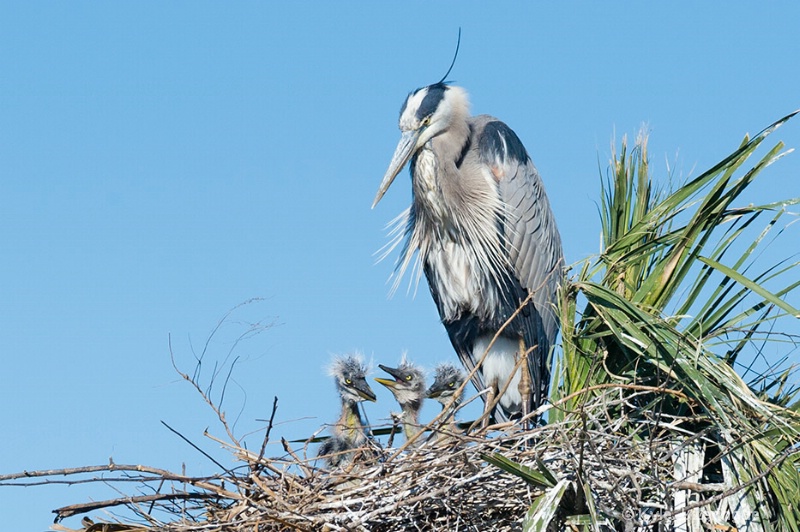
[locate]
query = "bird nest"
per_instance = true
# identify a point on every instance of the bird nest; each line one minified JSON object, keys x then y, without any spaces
{"x":628,"y":471}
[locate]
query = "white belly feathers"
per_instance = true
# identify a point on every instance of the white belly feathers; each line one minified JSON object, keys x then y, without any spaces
{"x":461,"y":288}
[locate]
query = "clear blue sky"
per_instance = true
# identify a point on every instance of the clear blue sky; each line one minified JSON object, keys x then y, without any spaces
{"x":161,"y":163}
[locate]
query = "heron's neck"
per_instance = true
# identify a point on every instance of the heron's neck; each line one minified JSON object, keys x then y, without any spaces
{"x":450,"y":146}
{"x":411,"y":417}
{"x":436,"y":171}
{"x":350,"y":423}
{"x":452,"y":408}
{"x":451,"y":415}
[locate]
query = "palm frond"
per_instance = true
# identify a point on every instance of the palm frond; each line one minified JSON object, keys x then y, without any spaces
{"x":673,"y":300}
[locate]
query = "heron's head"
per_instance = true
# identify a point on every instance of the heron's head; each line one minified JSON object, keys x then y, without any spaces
{"x":350,"y":374}
{"x":427,"y":112}
{"x":407,"y":384}
{"x":447,"y":379}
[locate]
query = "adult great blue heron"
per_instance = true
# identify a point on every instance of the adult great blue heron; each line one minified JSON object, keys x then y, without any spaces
{"x":486,"y":238}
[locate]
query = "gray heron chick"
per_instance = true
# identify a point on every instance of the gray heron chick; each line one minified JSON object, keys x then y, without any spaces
{"x":349,"y":373}
{"x":482,"y":229}
{"x":408,"y":387}
{"x":447,"y":379}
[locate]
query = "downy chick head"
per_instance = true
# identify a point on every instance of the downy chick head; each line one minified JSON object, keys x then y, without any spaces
{"x":349,"y":372}
{"x":407,"y":384}
{"x":447,"y":379}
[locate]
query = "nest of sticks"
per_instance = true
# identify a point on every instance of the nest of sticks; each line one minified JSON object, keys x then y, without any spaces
{"x":630,"y":470}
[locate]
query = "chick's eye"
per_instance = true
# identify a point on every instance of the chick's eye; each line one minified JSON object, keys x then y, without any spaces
{"x":348,"y":381}
{"x":452,"y":384}
{"x":408,"y":377}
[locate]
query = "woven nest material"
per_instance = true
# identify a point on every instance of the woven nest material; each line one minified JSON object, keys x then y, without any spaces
{"x":632,"y":471}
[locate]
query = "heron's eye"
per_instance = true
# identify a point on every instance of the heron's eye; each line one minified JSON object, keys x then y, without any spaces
{"x":426,"y":121}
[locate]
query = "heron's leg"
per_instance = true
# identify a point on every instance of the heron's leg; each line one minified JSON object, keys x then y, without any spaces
{"x":395,"y":428}
{"x":490,"y":397}
{"x":525,"y":388}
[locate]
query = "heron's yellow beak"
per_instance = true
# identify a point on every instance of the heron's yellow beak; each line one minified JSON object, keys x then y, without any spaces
{"x":405,"y":148}
{"x":389,"y":383}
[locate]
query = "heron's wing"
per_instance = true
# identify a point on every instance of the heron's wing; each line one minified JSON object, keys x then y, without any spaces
{"x":530,"y":234}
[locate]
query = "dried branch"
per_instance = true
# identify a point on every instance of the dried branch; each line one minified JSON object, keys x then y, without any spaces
{"x":195,"y":447}
{"x":269,"y":428}
{"x":195,"y":384}
{"x":75,"y":509}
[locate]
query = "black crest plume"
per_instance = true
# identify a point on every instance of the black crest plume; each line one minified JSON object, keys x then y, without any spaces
{"x":455,"y":56}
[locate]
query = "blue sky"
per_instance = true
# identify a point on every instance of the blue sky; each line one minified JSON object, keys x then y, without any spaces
{"x":161,"y":163}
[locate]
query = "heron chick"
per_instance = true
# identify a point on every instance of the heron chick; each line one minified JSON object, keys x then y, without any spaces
{"x":481,"y":227}
{"x":408,"y":388}
{"x":349,"y":373}
{"x":446,"y":381}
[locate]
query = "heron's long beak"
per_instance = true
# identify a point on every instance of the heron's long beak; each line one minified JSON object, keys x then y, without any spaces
{"x":364,"y":390}
{"x":389,"y":383}
{"x":433,"y":393}
{"x":394,"y":372}
{"x":405,"y":148}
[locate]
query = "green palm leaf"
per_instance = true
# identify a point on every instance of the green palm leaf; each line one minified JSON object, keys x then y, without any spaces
{"x":677,"y":295}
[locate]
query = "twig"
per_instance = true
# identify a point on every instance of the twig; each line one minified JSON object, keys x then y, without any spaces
{"x":201,"y":451}
{"x":269,"y":429}
{"x":110,"y":467}
{"x":193,"y":381}
{"x":75,"y":509}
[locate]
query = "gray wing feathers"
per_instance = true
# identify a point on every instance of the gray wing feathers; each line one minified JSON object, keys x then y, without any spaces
{"x":531,"y":237}
{"x":535,"y":244}
{"x":537,"y":257}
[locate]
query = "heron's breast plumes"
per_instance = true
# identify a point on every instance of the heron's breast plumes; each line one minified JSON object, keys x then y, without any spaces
{"x":460,"y":286}
{"x":457,"y":241}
